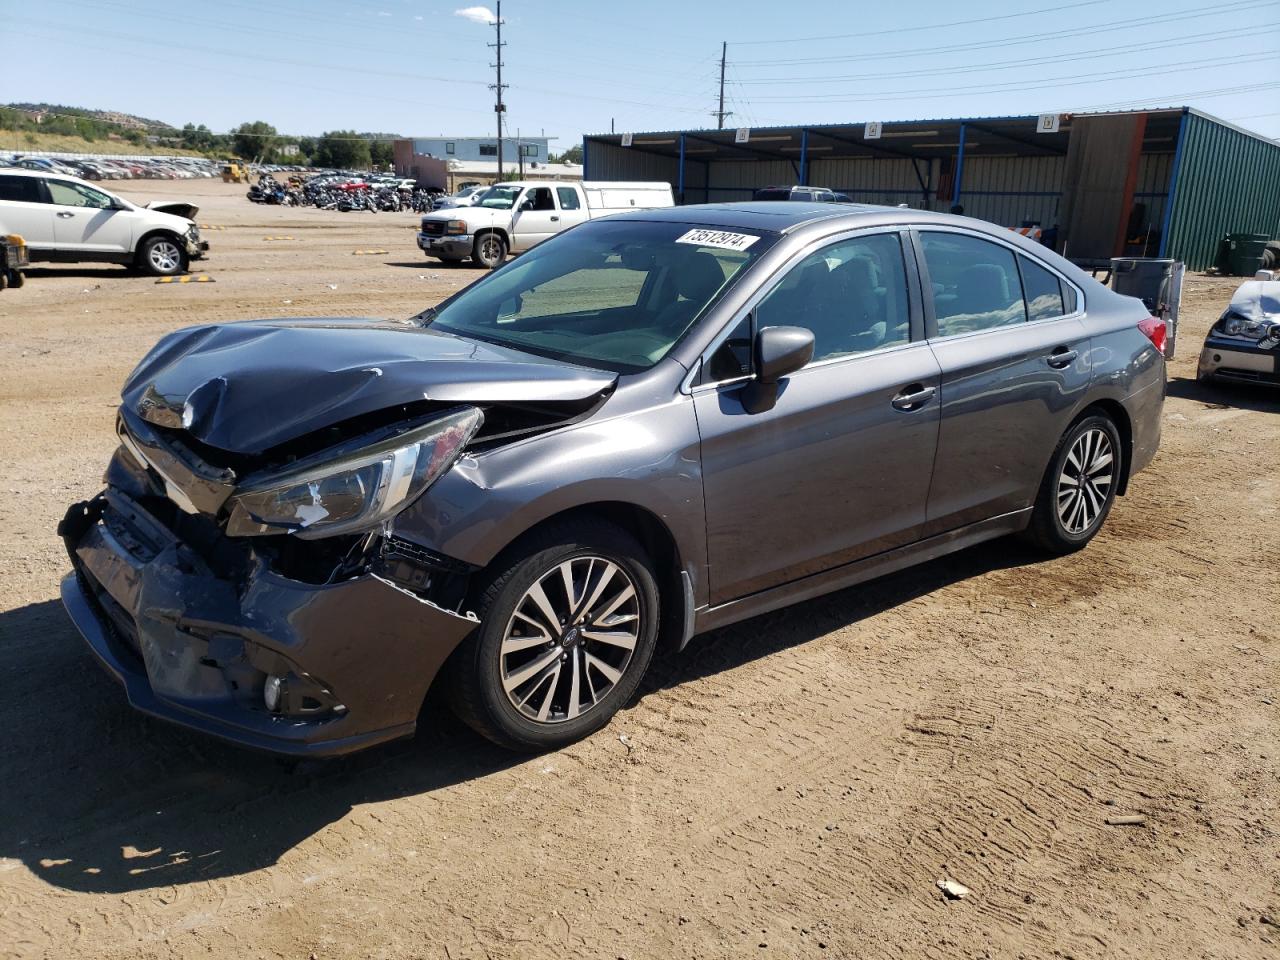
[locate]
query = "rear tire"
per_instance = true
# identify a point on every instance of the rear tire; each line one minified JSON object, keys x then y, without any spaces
{"x":1079,"y":487}
{"x":489,"y":252}
{"x":536,"y":681}
{"x":162,"y":256}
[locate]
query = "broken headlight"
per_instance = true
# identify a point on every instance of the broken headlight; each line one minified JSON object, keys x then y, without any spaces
{"x":327,"y":496}
{"x":1234,"y":325}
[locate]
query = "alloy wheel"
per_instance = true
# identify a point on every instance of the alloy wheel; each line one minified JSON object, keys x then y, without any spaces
{"x":165,"y":256}
{"x":570,"y":639}
{"x":1085,"y":482}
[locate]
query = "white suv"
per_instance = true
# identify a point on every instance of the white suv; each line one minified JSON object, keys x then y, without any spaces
{"x":68,"y":220}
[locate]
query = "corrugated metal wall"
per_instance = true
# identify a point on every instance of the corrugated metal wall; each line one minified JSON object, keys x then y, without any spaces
{"x":1009,"y":190}
{"x":604,"y":161}
{"x":1227,"y":182}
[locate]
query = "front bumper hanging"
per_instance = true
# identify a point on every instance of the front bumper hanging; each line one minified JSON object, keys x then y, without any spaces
{"x":352,"y":660}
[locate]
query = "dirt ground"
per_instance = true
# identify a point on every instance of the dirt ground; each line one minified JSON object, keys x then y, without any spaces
{"x":790,"y":787}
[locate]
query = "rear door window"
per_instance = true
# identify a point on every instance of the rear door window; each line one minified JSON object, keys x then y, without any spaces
{"x":568,"y":198}
{"x":975,"y":283}
{"x":21,"y":189}
{"x":1042,"y":290}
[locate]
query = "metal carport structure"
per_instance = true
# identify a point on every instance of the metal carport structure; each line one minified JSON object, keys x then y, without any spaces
{"x":1100,"y":184}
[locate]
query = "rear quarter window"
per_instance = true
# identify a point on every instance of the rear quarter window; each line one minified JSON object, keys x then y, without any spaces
{"x":21,"y":189}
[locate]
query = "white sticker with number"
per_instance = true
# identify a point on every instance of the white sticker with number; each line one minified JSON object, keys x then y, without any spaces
{"x":718,"y":238}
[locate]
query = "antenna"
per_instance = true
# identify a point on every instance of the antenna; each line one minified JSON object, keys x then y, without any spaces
{"x":499,"y":108}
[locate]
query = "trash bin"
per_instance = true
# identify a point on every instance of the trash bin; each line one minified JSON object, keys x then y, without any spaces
{"x":1243,"y":253}
{"x":1157,"y":283}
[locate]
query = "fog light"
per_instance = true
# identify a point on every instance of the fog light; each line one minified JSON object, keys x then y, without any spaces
{"x":273,"y":693}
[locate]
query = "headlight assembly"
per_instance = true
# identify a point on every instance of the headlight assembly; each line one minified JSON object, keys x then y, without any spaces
{"x":456,"y":227}
{"x":1234,"y":325}
{"x":320,"y":498}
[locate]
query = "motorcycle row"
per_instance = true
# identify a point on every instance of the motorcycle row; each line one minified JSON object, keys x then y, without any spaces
{"x":342,"y":193}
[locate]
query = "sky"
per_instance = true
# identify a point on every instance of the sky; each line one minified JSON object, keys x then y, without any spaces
{"x":422,"y":67}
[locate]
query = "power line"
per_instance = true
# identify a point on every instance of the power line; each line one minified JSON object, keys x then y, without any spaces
{"x":927,"y":26}
{"x":1191,"y":40}
{"x":974,"y":89}
{"x":1238,"y":6}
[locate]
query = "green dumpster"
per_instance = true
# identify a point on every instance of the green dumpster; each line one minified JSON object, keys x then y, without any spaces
{"x":1242,"y":253}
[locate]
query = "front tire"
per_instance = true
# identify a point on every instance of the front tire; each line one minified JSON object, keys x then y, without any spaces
{"x":489,"y":251}
{"x":162,"y":257}
{"x":1079,"y":487}
{"x":569,"y":623}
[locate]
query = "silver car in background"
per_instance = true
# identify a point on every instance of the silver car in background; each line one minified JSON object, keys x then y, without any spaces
{"x":646,"y":427}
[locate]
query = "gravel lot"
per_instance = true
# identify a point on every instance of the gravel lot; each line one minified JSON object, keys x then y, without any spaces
{"x":790,"y":787}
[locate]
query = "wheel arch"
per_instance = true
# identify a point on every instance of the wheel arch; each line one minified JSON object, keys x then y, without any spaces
{"x":1118,"y":415}
{"x":152,"y":233}
{"x":652,"y":533}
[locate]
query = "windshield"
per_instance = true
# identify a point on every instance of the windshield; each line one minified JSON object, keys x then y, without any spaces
{"x":499,"y":197}
{"x":616,"y":295}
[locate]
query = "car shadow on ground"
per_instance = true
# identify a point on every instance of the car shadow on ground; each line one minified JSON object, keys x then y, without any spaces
{"x":429,"y":265}
{"x":101,"y":799}
{"x":111,"y":271}
{"x":1243,"y":396}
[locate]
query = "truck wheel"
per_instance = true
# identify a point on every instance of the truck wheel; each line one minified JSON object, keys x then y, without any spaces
{"x":489,"y":252}
{"x":162,"y":257}
{"x":17,"y":279}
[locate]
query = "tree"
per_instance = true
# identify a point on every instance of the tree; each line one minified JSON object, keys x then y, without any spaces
{"x":344,"y":149}
{"x":198,"y":138}
{"x":307,"y":147}
{"x":381,"y":153}
{"x":253,"y":140}
{"x":572,"y":155}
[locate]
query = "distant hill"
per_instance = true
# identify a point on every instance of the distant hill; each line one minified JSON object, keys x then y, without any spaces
{"x":107,"y":116}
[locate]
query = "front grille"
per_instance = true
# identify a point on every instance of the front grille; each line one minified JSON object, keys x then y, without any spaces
{"x":433,"y":228}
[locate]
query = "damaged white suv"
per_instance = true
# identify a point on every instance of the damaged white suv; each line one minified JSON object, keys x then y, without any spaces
{"x":68,"y":220}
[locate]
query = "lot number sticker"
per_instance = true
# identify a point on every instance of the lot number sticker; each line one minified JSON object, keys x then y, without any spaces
{"x":718,"y":238}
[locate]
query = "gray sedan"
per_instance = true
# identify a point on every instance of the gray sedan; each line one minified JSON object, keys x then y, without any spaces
{"x":647,"y":427}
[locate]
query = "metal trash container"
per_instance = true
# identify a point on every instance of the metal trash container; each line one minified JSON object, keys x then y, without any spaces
{"x":1242,"y":253}
{"x":1158,"y":284}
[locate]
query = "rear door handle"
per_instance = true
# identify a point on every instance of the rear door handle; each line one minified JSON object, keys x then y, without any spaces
{"x":913,"y":397}
{"x":1061,"y":357}
{"x":66,"y":214}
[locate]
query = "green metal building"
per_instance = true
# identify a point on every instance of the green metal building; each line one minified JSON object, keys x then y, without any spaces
{"x":1169,"y":182}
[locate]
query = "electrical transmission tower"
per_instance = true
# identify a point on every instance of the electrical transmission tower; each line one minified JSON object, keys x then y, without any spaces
{"x":499,"y":108}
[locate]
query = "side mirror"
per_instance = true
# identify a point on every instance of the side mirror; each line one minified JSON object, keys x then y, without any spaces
{"x":525,"y":204}
{"x":777,"y":352}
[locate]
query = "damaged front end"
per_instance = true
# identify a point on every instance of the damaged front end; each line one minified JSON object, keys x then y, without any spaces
{"x":276,"y":611}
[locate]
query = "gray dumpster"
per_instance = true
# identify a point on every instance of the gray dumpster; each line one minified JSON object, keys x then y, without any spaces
{"x":1157,"y":283}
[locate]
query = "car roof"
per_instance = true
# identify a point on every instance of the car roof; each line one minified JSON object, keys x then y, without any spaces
{"x":786,"y":217}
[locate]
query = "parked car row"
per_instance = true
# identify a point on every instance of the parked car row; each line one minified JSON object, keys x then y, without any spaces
{"x":118,"y":168}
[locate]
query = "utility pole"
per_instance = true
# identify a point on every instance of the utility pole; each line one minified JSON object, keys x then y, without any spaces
{"x":721,"y":113}
{"x":499,"y":108}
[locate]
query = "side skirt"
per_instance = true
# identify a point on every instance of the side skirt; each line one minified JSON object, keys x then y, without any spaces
{"x":891,"y":561}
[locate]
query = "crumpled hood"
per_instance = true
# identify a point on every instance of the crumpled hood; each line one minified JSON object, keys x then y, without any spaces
{"x":178,"y":208}
{"x":1256,"y":300}
{"x":247,"y":387}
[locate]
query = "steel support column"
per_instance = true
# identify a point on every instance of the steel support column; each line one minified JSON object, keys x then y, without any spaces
{"x":804,"y":158}
{"x":680,"y":182}
{"x":1172,"y":195}
{"x":955,"y":190}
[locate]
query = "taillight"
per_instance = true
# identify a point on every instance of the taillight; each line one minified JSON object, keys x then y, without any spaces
{"x":1154,"y":329}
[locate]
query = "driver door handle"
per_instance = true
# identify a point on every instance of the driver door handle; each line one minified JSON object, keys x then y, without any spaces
{"x":66,"y":214}
{"x":1061,"y":357}
{"x":913,"y":397}
{"x":554,"y":219}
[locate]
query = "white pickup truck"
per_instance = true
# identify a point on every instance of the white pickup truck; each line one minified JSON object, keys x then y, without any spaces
{"x":511,"y":217}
